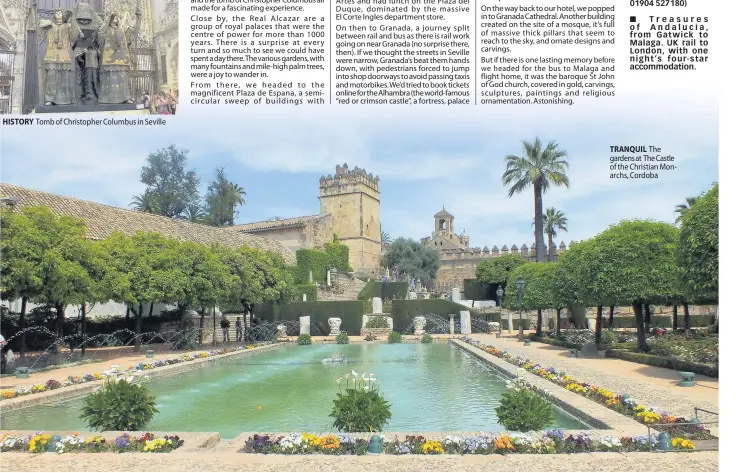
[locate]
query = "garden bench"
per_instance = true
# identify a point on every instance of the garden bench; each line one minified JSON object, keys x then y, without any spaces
{"x":574,"y":352}
{"x":687,"y":379}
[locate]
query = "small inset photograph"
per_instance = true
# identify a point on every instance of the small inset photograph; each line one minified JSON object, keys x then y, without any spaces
{"x":89,"y":56}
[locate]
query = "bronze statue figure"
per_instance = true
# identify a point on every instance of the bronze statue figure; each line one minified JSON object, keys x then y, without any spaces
{"x":60,"y":76}
{"x":115,"y":42}
{"x":87,"y":52}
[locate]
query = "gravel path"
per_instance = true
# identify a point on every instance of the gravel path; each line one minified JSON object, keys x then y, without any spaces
{"x":650,"y":386}
{"x":211,"y":461}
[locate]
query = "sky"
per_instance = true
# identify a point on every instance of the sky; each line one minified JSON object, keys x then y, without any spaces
{"x":426,"y":159}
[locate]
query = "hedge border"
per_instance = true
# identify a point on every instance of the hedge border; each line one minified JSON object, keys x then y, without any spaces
{"x":663,"y":362}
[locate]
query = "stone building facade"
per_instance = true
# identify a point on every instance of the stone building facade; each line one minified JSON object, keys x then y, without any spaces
{"x":458,"y":259}
{"x":350,"y":207}
{"x":156,"y":47}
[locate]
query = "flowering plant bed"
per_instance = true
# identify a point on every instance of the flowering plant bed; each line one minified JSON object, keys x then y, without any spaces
{"x":621,"y":403}
{"x":551,"y":441}
{"x":41,"y":442}
{"x":52,"y":384}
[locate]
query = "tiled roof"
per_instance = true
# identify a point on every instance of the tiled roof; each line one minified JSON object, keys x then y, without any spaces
{"x":102,"y":220}
{"x":280,"y":223}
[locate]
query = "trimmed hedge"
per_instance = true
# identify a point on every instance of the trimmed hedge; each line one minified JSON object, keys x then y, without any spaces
{"x":384,"y":290}
{"x":664,"y":321}
{"x":351,"y":313}
{"x":335,"y":255}
{"x":309,"y":289}
{"x":662,"y":362}
{"x":404,"y":311}
{"x":479,"y":291}
{"x":554,"y":341}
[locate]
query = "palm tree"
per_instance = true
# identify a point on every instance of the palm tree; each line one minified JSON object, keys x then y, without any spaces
{"x":235,"y":197}
{"x":682,"y":209}
{"x":540,"y":167}
{"x":145,"y":202}
{"x":193,"y":213}
{"x":552,"y":221}
{"x":386,"y":238}
{"x":222,"y":198}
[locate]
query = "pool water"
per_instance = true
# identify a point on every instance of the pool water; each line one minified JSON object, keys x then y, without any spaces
{"x":431,"y":388}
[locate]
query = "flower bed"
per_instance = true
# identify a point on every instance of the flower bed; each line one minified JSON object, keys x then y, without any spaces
{"x":552,"y":441}
{"x":42,"y":442}
{"x":621,"y":403}
{"x":52,"y":384}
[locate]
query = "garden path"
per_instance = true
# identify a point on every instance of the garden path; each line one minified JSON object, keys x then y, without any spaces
{"x":649,"y":385}
{"x":231,"y":461}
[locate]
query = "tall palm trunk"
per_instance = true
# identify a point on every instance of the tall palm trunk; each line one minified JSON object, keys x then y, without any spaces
{"x":641,"y":336}
{"x":674,"y":316}
{"x":686,"y":308}
{"x":22,"y":322}
{"x":598,"y":324}
{"x":538,"y":222}
{"x":550,"y":255}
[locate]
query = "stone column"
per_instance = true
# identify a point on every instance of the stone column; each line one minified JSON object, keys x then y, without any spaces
{"x":304,"y":323}
{"x":311,"y":277}
{"x":334,"y":323}
{"x":328,"y":277}
{"x":455,"y":294}
{"x":452,"y":324}
{"x":377,"y":306}
{"x":304,"y":298}
{"x":511,"y":325}
{"x":465,"y":327}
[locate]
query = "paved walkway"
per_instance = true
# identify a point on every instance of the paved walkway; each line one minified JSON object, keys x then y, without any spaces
{"x":217,"y":461}
{"x":649,"y":385}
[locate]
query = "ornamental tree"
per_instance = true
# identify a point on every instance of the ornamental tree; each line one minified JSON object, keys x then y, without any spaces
{"x":20,"y":262}
{"x":634,"y":263}
{"x":697,"y":253}
{"x":539,"y":291}
{"x":497,"y":270}
{"x":406,"y":257}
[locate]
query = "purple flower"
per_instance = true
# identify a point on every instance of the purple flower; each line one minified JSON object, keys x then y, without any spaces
{"x":555,"y":434}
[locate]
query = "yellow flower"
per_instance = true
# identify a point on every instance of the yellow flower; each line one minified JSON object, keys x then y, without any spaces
{"x":432,"y":447}
{"x":681,"y":443}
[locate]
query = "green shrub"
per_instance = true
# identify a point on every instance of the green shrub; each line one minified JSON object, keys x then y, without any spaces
{"x":304,"y":339}
{"x":309,"y":289}
{"x":370,"y":338}
{"x":404,"y":311}
{"x":377,"y":322}
{"x":342,"y":339}
{"x":426,"y":338}
{"x":522,"y":410}
{"x":119,"y":405}
{"x":608,"y":337}
{"x":394,"y":337}
{"x":361,"y":408}
{"x":384,"y":290}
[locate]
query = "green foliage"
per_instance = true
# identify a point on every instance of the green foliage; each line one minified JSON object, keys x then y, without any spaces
{"x":370,"y":338}
{"x":119,"y":405}
{"x":572,"y":277}
{"x":170,"y":188}
{"x":377,"y":322}
{"x":697,"y":255}
{"x":350,"y":312}
{"x":222,"y":198}
{"x":335,"y":256}
{"x":300,"y":289}
{"x":394,"y":337}
{"x":304,"y":339}
{"x":497,"y":270}
{"x":633,"y":261}
{"x":412,"y":259}
{"x":427,"y":338}
{"x":342,"y":339}
{"x":538,"y":293}
{"x":361,"y":408}
{"x":404,"y":311}
{"x":522,"y":410}
{"x":384,"y":290}
{"x":479,"y":291}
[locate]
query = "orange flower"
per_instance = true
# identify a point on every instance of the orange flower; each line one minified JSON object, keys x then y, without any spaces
{"x":504,"y":442}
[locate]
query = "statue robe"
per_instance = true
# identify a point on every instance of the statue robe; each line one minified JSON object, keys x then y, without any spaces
{"x":115,"y":65}
{"x":60,"y":76}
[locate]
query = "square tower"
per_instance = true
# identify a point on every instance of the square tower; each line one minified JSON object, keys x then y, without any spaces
{"x":353,"y":199}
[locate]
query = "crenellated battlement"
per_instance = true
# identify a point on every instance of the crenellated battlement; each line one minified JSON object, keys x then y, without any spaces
{"x":485,"y":253}
{"x":344,"y":176}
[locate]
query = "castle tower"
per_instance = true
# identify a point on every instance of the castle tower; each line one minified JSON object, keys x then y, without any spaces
{"x":353,"y":199}
{"x":444,"y":222}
